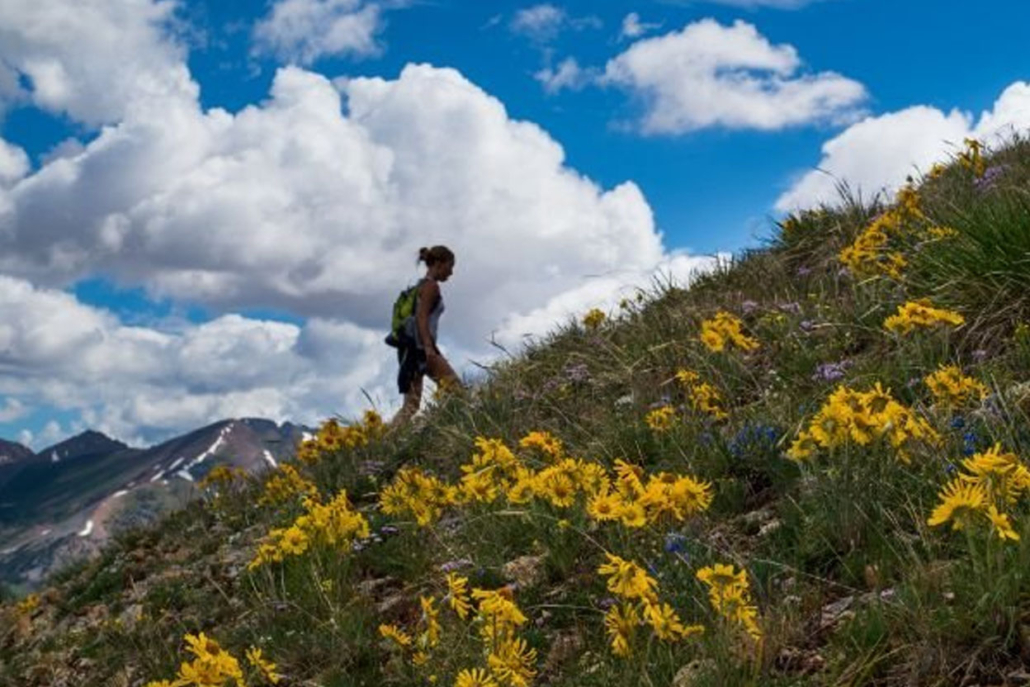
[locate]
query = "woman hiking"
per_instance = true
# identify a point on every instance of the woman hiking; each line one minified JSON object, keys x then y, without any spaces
{"x":419,"y":355}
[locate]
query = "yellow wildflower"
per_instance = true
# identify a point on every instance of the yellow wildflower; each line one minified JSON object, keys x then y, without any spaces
{"x":458,"y":595}
{"x":664,"y":621}
{"x":620,"y":622}
{"x":730,"y":596}
{"x":1001,"y":524}
{"x":951,"y":388}
{"x":474,"y":677}
{"x":545,"y":442}
{"x":395,"y":635}
{"x":594,"y":318}
{"x":511,"y":662}
{"x":959,"y":501}
{"x":921,"y":313}
{"x":725,"y":329}
{"x":803,"y":448}
{"x":972,"y":157}
{"x":284,"y":484}
{"x":27,"y":605}
{"x":266,"y":667}
{"x":627,"y":579}
{"x":633,"y":514}
{"x":1004,"y":477}
{"x":606,"y":506}
{"x":660,"y":419}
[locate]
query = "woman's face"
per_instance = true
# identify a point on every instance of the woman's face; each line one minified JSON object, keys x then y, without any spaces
{"x":444,"y":270}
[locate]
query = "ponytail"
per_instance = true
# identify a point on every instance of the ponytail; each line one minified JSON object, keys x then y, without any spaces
{"x":436,"y":254}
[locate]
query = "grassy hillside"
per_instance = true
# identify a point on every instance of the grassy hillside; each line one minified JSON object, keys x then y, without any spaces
{"x":797,"y":472}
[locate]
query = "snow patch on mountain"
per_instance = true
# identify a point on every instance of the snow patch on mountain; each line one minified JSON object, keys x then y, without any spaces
{"x":213,"y":448}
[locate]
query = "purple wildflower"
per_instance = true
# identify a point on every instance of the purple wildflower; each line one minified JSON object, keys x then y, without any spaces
{"x":806,"y":325}
{"x":577,"y":373}
{"x":748,"y":307}
{"x":990,"y":178}
{"x":804,"y":271}
{"x":831,"y":372}
{"x":794,"y":308}
{"x":451,"y":566}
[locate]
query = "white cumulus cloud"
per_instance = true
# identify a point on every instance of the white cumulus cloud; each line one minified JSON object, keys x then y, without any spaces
{"x":878,"y":153}
{"x":12,"y":409}
{"x":544,"y":22}
{"x":144,"y":383}
{"x":710,"y":75}
{"x":94,"y":60}
{"x":303,"y":31}
{"x":632,"y":27}
{"x":568,"y":75}
{"x":313,"y":202}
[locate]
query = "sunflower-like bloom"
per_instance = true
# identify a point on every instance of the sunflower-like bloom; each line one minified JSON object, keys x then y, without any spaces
{"x":606,"y":506}
{"x":395,"y":635}
{"x":512,"y":662}
{"x":266,"y":667}
{"x":724,"y":330}
{"x":474,"y":677}
{"x":921,"y":313}
{"x":498,"y":614}
{"x":730,"y":596}
{"x":803,"y":448}
{"x":1002,"y":474}
{"x":621,"y":622}
{"x":458,"y":595}
{"x":627,"y":579}
{"x":1001,"y":524}
{"x":660,"y":419}
{"x":951,"y":388}
{"x":960,"y":500}
{"x":545,"y":442}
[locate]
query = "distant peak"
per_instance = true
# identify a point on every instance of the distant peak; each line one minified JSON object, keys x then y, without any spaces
{"x":89,"y":441}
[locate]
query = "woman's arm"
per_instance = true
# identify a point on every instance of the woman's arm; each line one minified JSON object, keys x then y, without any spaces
{"x":429,"y":293}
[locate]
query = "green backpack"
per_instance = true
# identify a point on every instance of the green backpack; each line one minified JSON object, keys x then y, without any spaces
{"x":403,"y":310}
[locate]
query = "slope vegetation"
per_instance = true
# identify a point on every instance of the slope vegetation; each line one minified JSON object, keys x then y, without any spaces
{"x":807,"y":469}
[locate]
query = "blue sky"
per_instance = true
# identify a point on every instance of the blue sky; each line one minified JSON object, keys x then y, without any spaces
{"x":711,"y":187}
{"x":711,"y":190}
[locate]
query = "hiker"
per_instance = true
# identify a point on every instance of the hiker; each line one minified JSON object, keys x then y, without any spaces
{"x":417,"y":353}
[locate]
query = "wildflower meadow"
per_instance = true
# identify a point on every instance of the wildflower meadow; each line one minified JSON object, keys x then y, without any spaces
{"x":808,"y":468}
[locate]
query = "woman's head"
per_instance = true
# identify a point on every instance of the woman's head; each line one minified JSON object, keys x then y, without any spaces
{"x":439,"y":260}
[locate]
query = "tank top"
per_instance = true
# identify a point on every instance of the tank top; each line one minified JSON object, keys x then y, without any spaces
{"x":434,"y":321}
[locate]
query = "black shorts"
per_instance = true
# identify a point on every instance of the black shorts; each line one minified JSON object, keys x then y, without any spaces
{"x":412,"y":363}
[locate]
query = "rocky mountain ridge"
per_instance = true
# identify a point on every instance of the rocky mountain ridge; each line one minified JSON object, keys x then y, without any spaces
{"x":66,"y":501}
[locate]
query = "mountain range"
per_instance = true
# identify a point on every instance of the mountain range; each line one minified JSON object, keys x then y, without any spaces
{"x":65,"y":502}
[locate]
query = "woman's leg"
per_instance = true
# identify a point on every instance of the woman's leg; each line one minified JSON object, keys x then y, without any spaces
{"x":441,"y":372}
{"x":412,"y":401}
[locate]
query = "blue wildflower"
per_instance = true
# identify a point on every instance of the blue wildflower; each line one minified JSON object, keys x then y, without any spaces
{"x":674,"y":542}
{"x":969,"y":439}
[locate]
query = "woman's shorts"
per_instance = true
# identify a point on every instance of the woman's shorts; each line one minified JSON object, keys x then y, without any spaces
{"x":412,"y":363}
